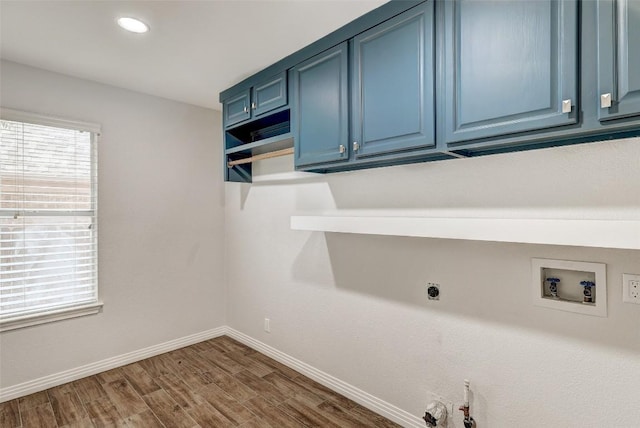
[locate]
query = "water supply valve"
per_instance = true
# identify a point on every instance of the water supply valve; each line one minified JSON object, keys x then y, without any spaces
{"x":553,"y":286}
{"x":468,"y":421}
{"x":436,"y":414}
{"x":588,"y":295}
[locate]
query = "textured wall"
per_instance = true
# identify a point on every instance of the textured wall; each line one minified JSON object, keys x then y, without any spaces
{"x":351,"y":305}
{"x":161,"y":223}
{"x":355,"y":305}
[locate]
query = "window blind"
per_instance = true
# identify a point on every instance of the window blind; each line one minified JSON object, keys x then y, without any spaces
{"x":48,"y":233}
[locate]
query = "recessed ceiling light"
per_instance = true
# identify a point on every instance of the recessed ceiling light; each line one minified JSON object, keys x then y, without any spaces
{"x":132,"y":24}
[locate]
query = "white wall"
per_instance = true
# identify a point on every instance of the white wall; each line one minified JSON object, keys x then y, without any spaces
{"x":161,"y":222}
{"x":355,"y":305}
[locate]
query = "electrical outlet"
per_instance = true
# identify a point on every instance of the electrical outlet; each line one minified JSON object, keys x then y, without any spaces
{"x":267,"y":325}
{"x":433,"y":291}
{"x":631,"y":288}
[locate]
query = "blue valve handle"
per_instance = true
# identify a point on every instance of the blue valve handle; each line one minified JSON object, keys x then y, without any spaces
{"x":588,"y":284}
{"x":553,"y":280}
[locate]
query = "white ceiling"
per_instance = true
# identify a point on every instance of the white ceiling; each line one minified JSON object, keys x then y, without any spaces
{"x":195,"y":49}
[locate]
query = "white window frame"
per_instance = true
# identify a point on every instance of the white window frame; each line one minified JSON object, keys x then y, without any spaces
{"x":73,"y":311}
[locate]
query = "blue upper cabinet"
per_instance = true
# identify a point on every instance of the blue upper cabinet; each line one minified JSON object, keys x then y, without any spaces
{"x":510,"y":66}
{"x":270,"y":95}
{"x":392,"y":85}
{"x":320,"y":109}
{"x":237,"y":109}
{"x":256,"y":101}
{"x":416,"y":81}
{"x":618,"y":58}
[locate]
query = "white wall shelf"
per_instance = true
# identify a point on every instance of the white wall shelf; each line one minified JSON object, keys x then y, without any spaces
{"x":621,"y":234}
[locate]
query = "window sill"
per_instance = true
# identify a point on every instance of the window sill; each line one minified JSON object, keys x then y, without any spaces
{"x":51,"y":316}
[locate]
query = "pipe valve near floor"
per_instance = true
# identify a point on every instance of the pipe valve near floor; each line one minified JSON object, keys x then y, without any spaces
{"x":468,"y":420}
{"x":436,"y":414}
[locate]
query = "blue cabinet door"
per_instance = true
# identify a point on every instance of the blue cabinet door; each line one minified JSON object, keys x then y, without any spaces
{"x":319,"y":114}
{"x":392,"y":84}
{"x":236,"y":109}
{"x":510,"y":66}
{"x":269,"y":95}
{"x":618,"y":58}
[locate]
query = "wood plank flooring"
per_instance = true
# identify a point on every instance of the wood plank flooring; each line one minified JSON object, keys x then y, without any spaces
{"x":216,"y":383}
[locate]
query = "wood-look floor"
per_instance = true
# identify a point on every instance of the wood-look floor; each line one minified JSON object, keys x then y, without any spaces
{"x":216,"y":383}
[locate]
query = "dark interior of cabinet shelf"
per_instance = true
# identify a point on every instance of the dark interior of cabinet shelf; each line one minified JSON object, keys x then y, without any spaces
{"x":266,"y":134}
{"x":265,"y":129}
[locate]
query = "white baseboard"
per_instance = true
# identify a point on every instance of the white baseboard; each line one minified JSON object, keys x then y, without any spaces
{"x":60,"y":378}
{"x":361,"y":397}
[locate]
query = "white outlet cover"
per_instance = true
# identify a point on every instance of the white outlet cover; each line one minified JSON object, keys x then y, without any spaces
{"x":627,"y":279}
{"x":599,"y":271}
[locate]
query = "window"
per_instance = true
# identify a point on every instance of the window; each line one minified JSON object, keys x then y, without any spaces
{"x":48,"y":229}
